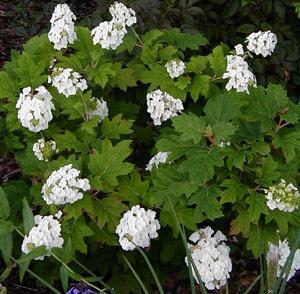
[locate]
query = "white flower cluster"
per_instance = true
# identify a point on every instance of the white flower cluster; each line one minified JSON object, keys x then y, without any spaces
{"x":282,"y":196}
{"x":211,"y":257}
{"x":278,"y":255}
{"x":110,"y":34}
{"x":160,"y":157}
{"x":239,"y":50}
{"x":63,"y":186}
{"x":175,"y":68}
{"x":137,"y":227}
{"x":223,"y":144}
{"x":263,"y":43}
{"x":98,"y":107}
{"x":44,"y":150}
{"x":62,"y":27}
{"x":238,"y":73}
{"x":67,"y":81}
{"x":46,"y":232}
{"x":162,"y":106}
{"x":35,"y":108}
{"x":121,"y":14}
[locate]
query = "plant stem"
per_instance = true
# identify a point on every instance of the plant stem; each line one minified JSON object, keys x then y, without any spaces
{"x":137,"y":36}
{"x":85,"y":107}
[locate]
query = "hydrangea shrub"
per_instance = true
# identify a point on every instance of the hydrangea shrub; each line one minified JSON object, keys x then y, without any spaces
{"x":105,"y":123}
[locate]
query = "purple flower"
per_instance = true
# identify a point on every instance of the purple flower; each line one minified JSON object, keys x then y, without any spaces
{"x":80,"y":289}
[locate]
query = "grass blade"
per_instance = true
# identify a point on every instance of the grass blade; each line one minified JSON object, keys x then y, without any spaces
{"x":136,"y":276}
{"x":99,"y":279}
{"x":188,"y":252}
{"x":160,"y":289}
{"x":287,"y":266}
{"x":287,"y":271}
{"x":38,"y":277}
{"x":252,"y":285}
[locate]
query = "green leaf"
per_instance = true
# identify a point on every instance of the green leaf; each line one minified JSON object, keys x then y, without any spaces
{"x":85,"y":49}
{"x":264,"y":105}
{"x":76,"y":209}
{"x":4,"y":205}
{"x":6,"y":228}
{"x":108,"y":164}
{"x":221,"y":109}
{"x":267,"y":173}
{"x":67,"y":141}
{"x":90,"y":125}
{"x":28,"y":220}
{"x":6,"y":246}
{"x":234,"y":191}
{"x":124,"y":78}
{"x":258,"y":240}
{"x":206,"y":200}
{"x":246,"y":28}
{"x":34,"y":253}
{"x":184,"y":40}
{"x":64,"y":277}
{"x":79,"y":232}
{"x":102,"y":73}
{"x":186,"y":216}
{"x":257,"y":206}
{"x":175,"y":145}
{"x":217,"y":61}
{"x":223,"y":131}
{"x":200,"y":86}
{"x":158,"y":77}
{"x":112,"y":129}
{"x":8,"y":87}
{"x":108,"y":211}
{"x":167,"y":181}
{"x":190,"y":126}
{"x":167,"y":53}
{"x":235,"y":158}
{"x":30,"y":72}
{"x":128,"y":43}
{"x":200,"y":164}
{"x":148,"y":55}
{"x":289,"y":142}
{"x":131,"y":188}
{"x":197,"y":64}
{"x":149,"y":37}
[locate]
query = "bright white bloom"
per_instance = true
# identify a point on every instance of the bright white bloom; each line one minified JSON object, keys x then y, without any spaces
{"x":121,"y":14}
{"x":238,"y":73}
{"x":44,"y":150}
{"x":278,"y":255}
{"x":224,"y":144}
{"x":162,"y":106}
{"x":137,"y":227}
{"x":62,"y":27}
{"x":239,"y":50}
{"x":98,"y":107}
{"x":46,"y":232}
{"x":175,"y":68}
{"x":67,"y":81}
{"x":263,"y":43}
{"x":211,"y":257}
{"x":63,"y":186}
{"x":35,"y":108}
{"x":160,"y":157}
{"x":109,"y":34}
{"x":282,"y":196}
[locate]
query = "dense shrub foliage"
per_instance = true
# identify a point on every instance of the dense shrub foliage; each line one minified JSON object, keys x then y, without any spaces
{"x":84,"y":121}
